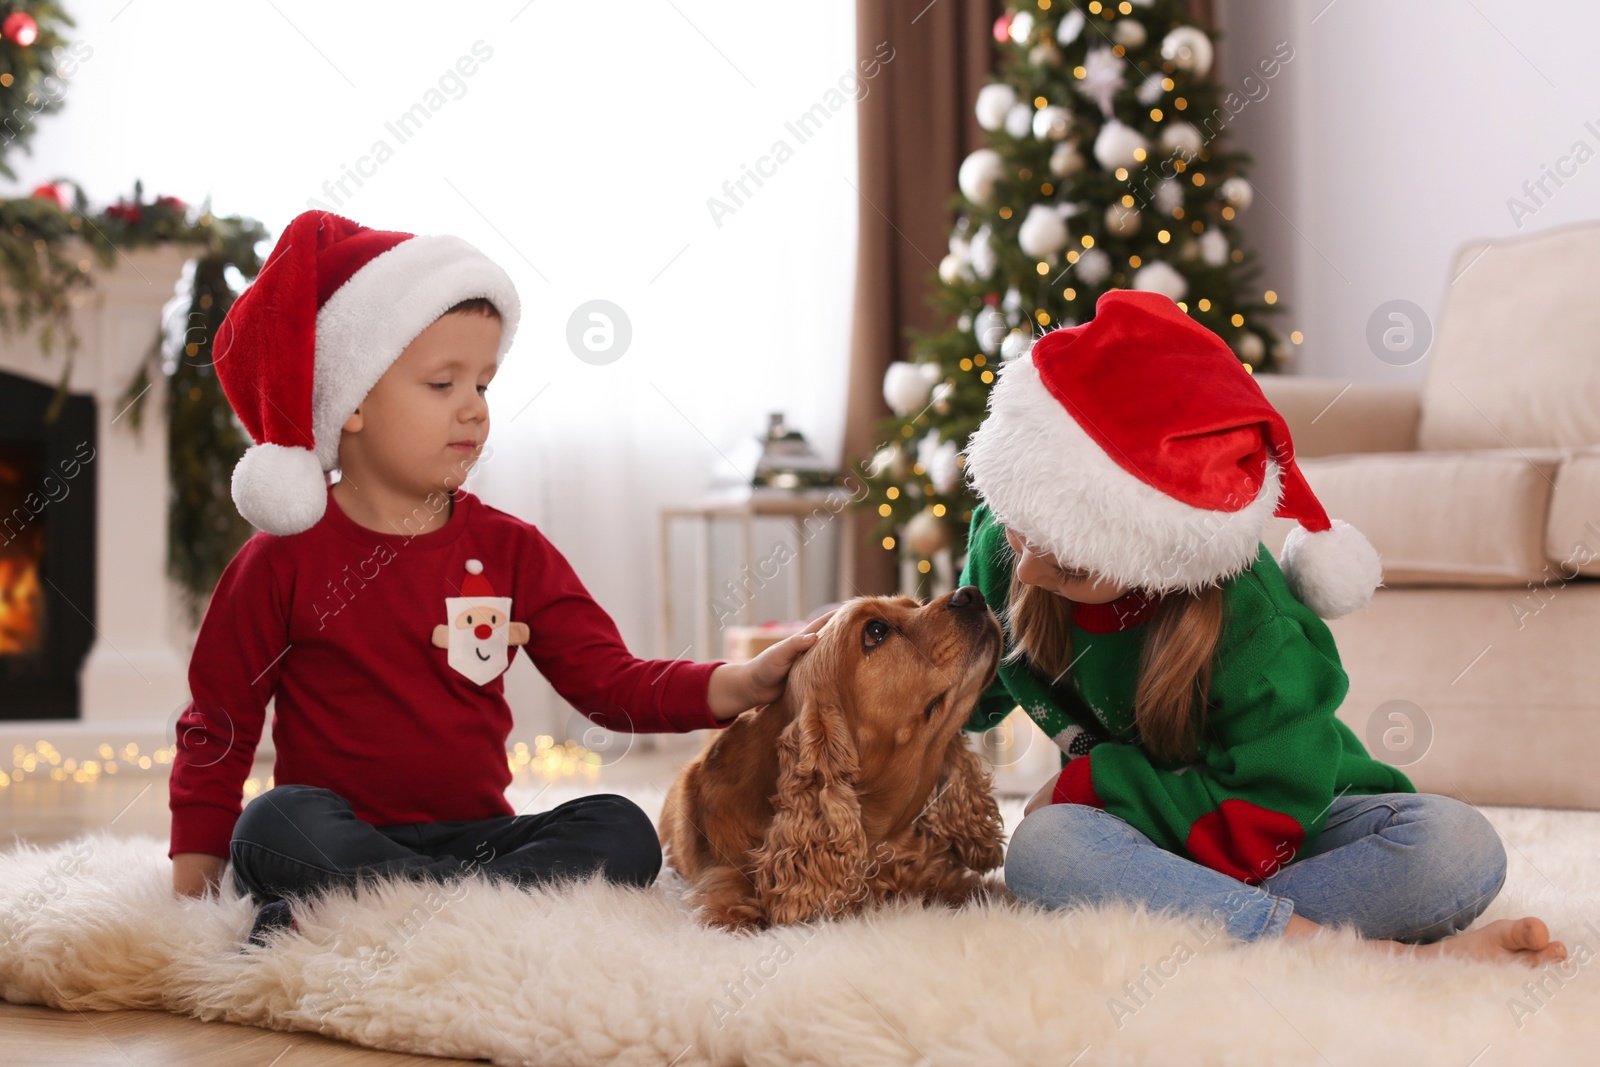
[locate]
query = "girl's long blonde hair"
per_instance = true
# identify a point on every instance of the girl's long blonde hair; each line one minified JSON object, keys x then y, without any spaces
{"x":1169,"y":702}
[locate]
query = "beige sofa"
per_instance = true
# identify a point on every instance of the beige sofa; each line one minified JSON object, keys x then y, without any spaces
{"x":1477,"y":666}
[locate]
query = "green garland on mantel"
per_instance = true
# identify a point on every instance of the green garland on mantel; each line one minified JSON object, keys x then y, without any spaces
{"x":42,"y":241}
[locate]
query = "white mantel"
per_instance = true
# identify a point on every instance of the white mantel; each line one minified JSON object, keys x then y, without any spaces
{"x":134,"y":679}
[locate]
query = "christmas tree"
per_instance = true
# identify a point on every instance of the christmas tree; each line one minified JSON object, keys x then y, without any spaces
{"x":1104,"y":169}
{"x":35,"y":64}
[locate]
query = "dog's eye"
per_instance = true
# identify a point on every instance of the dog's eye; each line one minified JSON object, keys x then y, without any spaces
{"x":875,"y":632}
{"x":933,"y":706}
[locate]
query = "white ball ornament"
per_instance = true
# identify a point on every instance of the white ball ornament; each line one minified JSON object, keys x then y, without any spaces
{"x":927,"y":533}
{"x":954,"y":268}
{"x":1022,"y":26}
{"x":1017,"y":343}
{"x":1150,"y":89}
{"x":940,"y":462}
{"x":989,"y":327}
{"x":978,"y":173}
{"x":1066,"y":160}
{"x":1188,"y":49}
{"x":1019,"y":120}
{"x":888,"y":459}
{"x":1168,"y":196}
{"x":1117,"y":145}
{"x":1052,"y":123}
{"x":1072,"y":24}
{"x":1214,"y":248}
{"x":1122,"y":221}
{"x":1250,"y":348}
{"x":1181,"y":139}
{"x":1129,"y":33}
{"x":906,"y":386}
{"x":1043,"y":233}
{"x":1282,"y":351}
{"x":1237,"y":193}
{"x":1045,"y":54}
{"x":982,"y":255}
{"x":1159,"y":277}
{"x":1093,"y":267}
{"x":994,"y":100}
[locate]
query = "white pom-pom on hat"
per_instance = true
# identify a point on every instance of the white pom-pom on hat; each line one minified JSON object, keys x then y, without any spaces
{"x":280,"y":488}
{"x":1334,"y":571}
{"x":474,"y":566}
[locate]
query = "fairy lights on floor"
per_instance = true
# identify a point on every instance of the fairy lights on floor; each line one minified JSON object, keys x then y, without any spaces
{"x":546,"y":760}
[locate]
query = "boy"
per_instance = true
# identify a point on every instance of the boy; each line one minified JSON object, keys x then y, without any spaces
{"x":382,"y":611}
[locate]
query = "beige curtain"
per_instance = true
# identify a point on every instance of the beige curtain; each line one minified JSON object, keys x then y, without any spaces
{"x":916,"y":125}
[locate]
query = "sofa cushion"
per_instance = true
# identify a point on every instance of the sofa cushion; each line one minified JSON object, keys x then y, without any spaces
{"x":1334,"y":417}
{"x":1456,"y":518}
{"x":1572,"y":539}
{"x":1516,"y":360}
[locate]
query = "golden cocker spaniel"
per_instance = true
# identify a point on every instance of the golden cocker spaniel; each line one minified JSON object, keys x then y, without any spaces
{"x":857,"y":785}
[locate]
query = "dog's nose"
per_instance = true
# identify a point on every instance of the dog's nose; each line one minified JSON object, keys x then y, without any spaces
{"x":967,"y":598}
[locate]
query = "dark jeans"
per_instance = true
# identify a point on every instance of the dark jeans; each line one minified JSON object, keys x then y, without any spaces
{"x":295,"y":839}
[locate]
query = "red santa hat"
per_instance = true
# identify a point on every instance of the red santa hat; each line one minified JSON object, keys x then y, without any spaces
{"x":1137,"y":446}
{"x":334,"y":305}
{"x":475,"y":585}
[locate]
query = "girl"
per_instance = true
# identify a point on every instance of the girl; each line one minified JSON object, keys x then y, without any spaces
{"x":1127,"y":469}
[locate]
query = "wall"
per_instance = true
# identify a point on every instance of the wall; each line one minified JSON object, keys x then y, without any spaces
{"x":1396,"y":133}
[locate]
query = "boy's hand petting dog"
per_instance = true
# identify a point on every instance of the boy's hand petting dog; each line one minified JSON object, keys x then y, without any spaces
{"x":738,"y":687}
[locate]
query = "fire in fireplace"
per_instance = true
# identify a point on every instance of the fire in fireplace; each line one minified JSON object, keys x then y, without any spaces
{"x":21,"y":546}
{"x":47,"y":549}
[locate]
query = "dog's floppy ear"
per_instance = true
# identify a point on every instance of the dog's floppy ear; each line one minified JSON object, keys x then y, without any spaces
{"x":962,"y":815}
{"x":813,"y":861}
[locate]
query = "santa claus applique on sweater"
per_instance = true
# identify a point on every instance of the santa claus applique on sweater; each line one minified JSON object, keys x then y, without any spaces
{"x":480,"y":632}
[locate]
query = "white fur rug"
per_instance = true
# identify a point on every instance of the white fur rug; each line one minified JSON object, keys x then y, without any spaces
{"x":594,"y":974}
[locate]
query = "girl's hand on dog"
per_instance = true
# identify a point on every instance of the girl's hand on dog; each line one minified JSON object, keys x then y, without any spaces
{"x":738,"y":687}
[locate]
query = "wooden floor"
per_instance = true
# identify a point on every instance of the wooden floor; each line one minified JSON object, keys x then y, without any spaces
{"x":43,"y":812}
{"x":35,"y":1035}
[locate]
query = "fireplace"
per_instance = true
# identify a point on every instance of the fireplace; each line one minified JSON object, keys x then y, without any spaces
{"x":94,"y":644}
{"x":47,"y":549}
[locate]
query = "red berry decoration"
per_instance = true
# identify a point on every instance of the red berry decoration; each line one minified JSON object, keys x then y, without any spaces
{"x":52,"y":192}
{"x":19,"y":28}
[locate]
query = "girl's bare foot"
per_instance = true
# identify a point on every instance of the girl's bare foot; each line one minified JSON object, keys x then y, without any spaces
{"x":1525,"y":940}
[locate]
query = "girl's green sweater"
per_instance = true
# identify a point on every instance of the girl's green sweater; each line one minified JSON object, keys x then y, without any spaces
{"x":1272,"y":756}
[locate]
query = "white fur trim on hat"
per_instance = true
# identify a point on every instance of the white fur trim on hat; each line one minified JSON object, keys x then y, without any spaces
{"x":369,"y":320}
{"x":1042,"y":475}
{"x":1333,"y":572}
{"x":279,"y":488}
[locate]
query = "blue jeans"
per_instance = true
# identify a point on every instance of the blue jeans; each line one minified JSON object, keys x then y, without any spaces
{"x":1411,"y":867}
{"x":296,"y":839}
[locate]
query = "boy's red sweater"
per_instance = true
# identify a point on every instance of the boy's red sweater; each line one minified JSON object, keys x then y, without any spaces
{"x":337,"y":623}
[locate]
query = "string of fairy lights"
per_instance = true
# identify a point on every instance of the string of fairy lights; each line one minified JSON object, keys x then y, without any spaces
{"x":545,"y":759}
